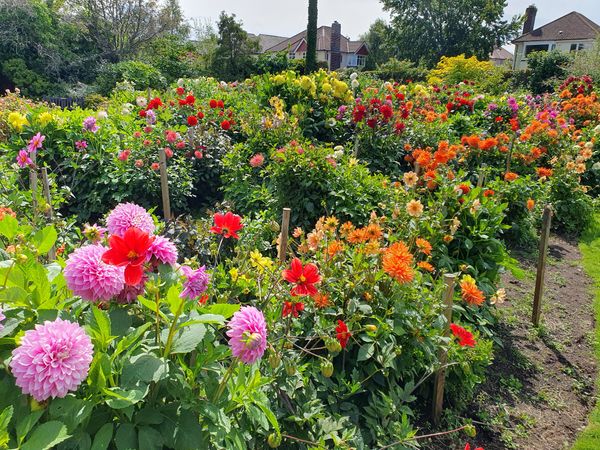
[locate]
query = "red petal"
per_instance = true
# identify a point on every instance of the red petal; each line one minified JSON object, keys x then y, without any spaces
{"x":133,"y":275}
{"x":115,"y":258}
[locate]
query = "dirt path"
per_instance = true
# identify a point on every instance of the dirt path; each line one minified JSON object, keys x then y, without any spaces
{"x":540,"y":388}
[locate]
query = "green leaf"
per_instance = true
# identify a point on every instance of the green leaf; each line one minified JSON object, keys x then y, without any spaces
{"x":103,"y":437}
{"x":222,"y":309}
{"x":25,"y":425}
{"x":173,"y":299}
{"x":119,"y":398}
{"x":44,"y":239}
{"x":186,"y":339}
{"x":46,"y":436}
{"x":5,"y":417}
{"x":204,"y":318}
{"x":99,"y":327}
{"x":9,"y":226}
{"x":126,"y":437}
{"x":150,"y":439}
{"x":71,"y":411}
{"x":366,"y":352}
{"x":127,"y":342}
{"x":144,"y":368}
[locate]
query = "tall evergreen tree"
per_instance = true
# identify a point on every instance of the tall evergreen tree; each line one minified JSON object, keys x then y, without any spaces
{"x":311,"y":36}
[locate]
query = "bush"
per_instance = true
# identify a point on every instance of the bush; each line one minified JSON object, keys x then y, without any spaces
{"x":142,"y":76}
{"x":400,"y":70}
{"x":457,"y":69}
{"x":547,"y":69}
{"x":31,"y":83}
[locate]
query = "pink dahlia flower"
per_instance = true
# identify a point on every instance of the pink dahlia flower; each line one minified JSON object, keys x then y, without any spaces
{"x":2,"y":317}
{"x":91,"y":278}
{"x":163,"y":251}
{"x":52,"y":359}
{"x":36,"y":142}
{"x":248,"y":334}
{"x":127,"y":215}
{"x":195,"y":284}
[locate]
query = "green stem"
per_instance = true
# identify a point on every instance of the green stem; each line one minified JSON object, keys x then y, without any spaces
{"x":224,"y":381}
{"x":172,"y":329}
{"x":157,"y":298}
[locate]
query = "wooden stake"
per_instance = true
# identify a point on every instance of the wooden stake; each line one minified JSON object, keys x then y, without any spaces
{"x":33,"y":180}
{"x":541,"y":267}
{"x":481,"y":176}
{"x":440,"y":375}
{"x":149,"y":94}
{"x":417,"y":169}
{"x":49,"y":212}
{"x":164,"y":184}
{"x":283,"y":237}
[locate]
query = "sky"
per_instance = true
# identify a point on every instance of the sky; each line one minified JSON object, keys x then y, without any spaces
{"x":288,"y":17}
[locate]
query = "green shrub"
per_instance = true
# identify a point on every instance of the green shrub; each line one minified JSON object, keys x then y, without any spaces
{"x":546,"y":69}
{"x":142,"y":75}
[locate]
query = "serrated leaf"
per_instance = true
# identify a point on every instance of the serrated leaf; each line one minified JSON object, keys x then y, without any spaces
{"x":47,"y":435}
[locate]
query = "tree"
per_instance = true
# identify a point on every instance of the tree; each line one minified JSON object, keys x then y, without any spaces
{"x":311,"y":36}
{"x":120,"y":28}
{"x":428,"y":30}
{"x":378,"y":43}
{"x":232,"y":58}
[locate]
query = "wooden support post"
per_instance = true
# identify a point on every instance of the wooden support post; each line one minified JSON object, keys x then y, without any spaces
{"x":541,"y":267}
{"x":33,"y":181}
{"x":164,"y":184}
{"x":49,"y":212}
{"x":440,"y":375}
{"x":149,"y":94}
{"x":481,"y":176}
{"x":417,"y":168}
{"x":283,"y":237}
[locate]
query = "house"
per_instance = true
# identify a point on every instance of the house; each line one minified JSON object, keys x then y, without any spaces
{"x":500,"y":56}
{"x":332,"y":47}
{"x":569,"y":33}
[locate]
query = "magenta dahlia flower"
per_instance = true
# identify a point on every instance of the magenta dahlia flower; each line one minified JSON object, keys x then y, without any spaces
{"x":248,"y":334}
{"x":2,"y":317}
{"x":52,"y":359}
{"x":195,"y":284}
{"x":129,"y":294}
{"x":163,"y":251}
{"x":127,"y":215}
{"x":91,"y":278}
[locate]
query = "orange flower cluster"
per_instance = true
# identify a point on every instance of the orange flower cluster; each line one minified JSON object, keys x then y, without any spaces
{"x":371,"y":232}
{"x":397,"y":263}
{"x":470,"y":293}
{"x":424,"y":246}
{"x":6,"y":212}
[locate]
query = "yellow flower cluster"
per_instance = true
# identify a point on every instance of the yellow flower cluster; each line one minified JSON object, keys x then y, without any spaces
{"x":17,"y":121}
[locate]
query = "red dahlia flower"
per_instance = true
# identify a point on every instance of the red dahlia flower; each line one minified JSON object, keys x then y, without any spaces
{"x":192,"y":121}
{"x":468,"y":447}
{"x":303,"y":278}
{"x":226,"y":125}
{"x":129,"y":251}
{"x":465,"y":338}
{"x":213,"y":104}
{"x":342,"y":333}
{"x":292,"y":308}
{"x":227,"y":225}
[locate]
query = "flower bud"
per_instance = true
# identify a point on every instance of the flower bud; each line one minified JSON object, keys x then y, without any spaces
{"x":274,"y":440}
{"x":326,"y":368}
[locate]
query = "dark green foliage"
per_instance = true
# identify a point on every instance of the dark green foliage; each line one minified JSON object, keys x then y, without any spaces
{"x":377,"y":39}
{"x":142,"y":75}
{"x":428,"y":30}
{"x":546,"y":69}
{"x":232,"y":59}
{"x":311,"y":36}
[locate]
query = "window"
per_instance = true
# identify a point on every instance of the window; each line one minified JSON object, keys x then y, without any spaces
{"x":292,"y":55}
{"x":361,"y":60}
{"x":576,"y":47}
{"x":536,"y":48}
{"x":303,"y":55}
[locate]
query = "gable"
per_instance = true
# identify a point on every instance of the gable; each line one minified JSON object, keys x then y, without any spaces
{"x":572,"y":27}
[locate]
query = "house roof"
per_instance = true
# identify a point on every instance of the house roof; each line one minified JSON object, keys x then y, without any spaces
{"x":574,"y":26}
{"x":501,"y":54}
{"x":266,"y":41}
{"x":323,"y":42}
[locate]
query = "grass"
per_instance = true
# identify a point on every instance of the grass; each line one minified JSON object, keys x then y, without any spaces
{"x":589,"y":439}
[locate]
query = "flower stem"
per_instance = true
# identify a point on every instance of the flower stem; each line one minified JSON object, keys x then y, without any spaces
{"x":224,"y":381}
{"x":172,"y":329}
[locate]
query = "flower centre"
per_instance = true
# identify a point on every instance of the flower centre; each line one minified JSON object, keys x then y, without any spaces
{"x":302,"y":279}
{"x":132,"y":254}
{"x":251,"y":340}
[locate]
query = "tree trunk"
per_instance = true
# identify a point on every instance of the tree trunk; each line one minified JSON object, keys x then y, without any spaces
{"x":311,"y":36}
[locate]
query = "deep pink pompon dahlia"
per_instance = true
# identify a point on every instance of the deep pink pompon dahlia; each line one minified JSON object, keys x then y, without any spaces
{"x":90,"y":278}
{"x":248,"y":334}
{"x":52,"y":359}
{"x":163,"y":250}
{"x":127,"y":215}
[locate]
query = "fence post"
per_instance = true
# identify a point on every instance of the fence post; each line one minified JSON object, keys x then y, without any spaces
{"x":33,"y":181}
{"x":164,"y":184}
{"x":49,"y":212}
{"x":440,"y":375}
{"x":283,"y":237}
{"x":541,"y":267}
{"x":149,"y":94}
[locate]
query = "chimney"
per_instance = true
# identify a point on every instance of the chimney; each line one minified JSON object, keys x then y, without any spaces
{"x":336,"y":39}
{"x":530,"y":14}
